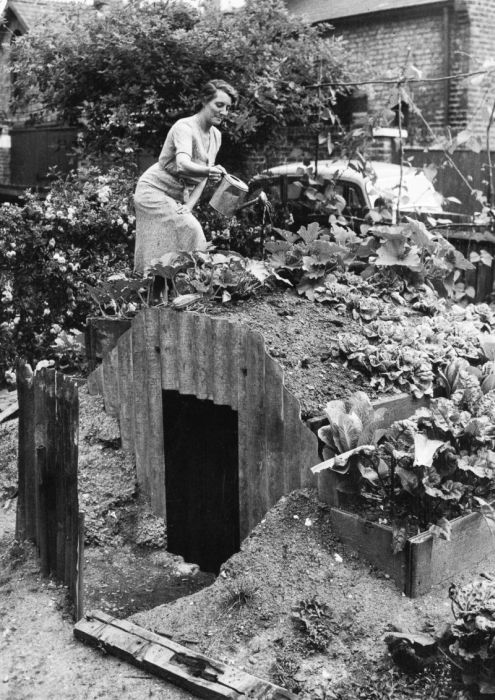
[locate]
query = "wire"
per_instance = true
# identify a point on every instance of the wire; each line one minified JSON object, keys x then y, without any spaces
{"x":399,"y":81}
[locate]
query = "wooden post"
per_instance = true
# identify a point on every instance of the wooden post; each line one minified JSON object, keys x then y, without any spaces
{"x":40,"y":429}
{"x":50,"y":476}
{"x":78,"y":590}
{"x":26,"y":507}
{"x":61,"y":494}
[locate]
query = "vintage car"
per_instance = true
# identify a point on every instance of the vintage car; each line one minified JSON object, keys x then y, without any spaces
{"x":313,"y":192}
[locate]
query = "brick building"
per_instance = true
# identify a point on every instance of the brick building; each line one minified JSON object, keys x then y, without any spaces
{"x":438,"y":37}
{"x":27,"y":151}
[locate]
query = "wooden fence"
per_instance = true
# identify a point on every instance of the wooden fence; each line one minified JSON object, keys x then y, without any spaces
{"x":47,"y":506}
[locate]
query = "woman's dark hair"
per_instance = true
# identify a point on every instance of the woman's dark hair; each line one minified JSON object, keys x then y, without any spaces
{"x":210,"y":89}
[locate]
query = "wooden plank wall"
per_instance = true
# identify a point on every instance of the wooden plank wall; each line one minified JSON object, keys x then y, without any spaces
{"x":47,"y":505}
{"x":216,"y":360}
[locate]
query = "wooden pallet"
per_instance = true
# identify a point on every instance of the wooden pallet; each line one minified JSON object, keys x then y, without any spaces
{"x":180,"y":665}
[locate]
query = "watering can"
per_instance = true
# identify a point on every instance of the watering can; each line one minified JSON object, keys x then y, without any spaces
{"x":229,"y":195}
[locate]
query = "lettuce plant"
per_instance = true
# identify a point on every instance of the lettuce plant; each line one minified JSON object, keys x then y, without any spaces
{"x":469,"y":641}
{"x":422,"y":472}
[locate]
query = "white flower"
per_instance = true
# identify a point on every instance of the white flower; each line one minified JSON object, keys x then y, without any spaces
{"x":51,"y":243}
{"x":104,"y":194}
{"x":10,"y":376}
{"x":10,"y":254}
{"x":46,"y":312}
{"x":59,"y":258}
{"x":44,"y":363}
{"x":56,"y":328}
{"x":116,"y":276}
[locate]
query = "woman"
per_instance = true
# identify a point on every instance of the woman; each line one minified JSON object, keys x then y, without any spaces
{"x":167,"y":192}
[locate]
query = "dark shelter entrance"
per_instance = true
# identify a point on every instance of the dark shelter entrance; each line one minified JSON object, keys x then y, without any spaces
{"x":201,"y":479}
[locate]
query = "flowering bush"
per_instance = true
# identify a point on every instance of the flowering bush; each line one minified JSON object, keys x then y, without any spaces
{"x":50,"y":248}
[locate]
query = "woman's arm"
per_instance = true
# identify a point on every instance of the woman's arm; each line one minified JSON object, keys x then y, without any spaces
{"x":185,"y":166}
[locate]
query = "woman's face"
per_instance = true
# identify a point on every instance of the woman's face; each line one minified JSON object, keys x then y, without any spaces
{"x":217,"y":109}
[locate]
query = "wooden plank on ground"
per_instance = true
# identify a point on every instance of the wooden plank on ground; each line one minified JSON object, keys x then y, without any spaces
{"x":126,"y":392}
{"x":154,"y":424}
{"x":9,"y":412}
{"x":197,"y":673}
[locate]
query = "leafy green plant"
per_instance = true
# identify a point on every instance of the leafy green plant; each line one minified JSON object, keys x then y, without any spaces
{"x":189,"y":278}
{"x":421,"y":472}
{"x":50,"y":249}
{"x":241,"y":591}
{"x":116,"y":77}
{"x":315,"y":621}
{"x":469,"y":642}
{"x":305,"y":258}
{"x":350,"y":439}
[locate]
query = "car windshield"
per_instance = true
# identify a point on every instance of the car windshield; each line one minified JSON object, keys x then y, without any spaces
{"x":417,"y":192}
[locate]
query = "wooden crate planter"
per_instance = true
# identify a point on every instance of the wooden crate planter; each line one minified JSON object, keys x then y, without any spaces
{"x":426,"y":560}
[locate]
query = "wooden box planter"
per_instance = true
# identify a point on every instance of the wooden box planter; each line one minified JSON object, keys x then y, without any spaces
{"x":101,"y":336}
{"x":426,"y":560}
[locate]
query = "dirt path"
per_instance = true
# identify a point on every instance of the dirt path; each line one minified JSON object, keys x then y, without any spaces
{"x":39,"y":658}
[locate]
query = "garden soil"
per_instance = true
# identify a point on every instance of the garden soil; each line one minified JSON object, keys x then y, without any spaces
{"x":303,"y":337}
{"x":294,"y":605}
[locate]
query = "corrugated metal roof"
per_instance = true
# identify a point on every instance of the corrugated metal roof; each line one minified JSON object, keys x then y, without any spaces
{"x":320,"y":10}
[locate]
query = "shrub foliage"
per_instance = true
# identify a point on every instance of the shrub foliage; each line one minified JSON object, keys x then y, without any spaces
{"x":50,"y":249}
{"x":126,"y":77}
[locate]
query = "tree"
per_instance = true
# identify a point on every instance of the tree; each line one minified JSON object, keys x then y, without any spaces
{"x":126,"y":77}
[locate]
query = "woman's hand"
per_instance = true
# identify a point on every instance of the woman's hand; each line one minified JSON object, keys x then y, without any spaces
{"x":216,"y":172}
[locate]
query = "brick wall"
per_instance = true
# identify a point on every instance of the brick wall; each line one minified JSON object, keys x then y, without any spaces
{"x":482,"y":48}
{"x":378,"y":47}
